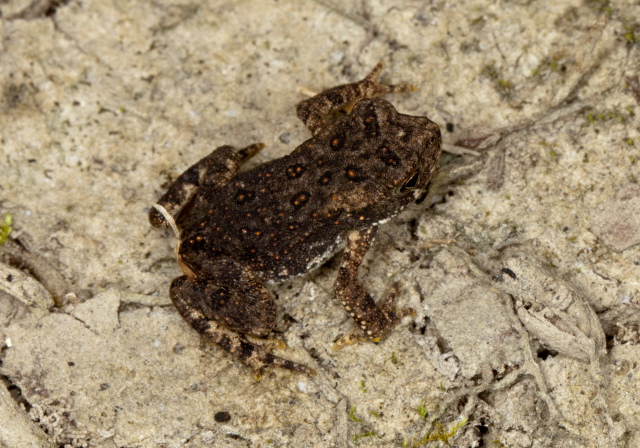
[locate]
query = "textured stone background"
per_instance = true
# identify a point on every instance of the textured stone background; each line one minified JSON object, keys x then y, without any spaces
{"x":102,"y":103}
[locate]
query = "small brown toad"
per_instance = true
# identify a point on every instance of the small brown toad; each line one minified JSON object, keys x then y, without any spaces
{"x":286,"y":217}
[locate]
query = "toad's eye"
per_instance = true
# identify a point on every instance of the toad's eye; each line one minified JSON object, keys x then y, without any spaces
{"x":411,"y":183}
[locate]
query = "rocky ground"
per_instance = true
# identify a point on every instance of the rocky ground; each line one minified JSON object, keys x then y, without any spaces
{"x":523,"y":262}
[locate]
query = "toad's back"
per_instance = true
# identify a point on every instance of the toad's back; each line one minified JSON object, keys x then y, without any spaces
{"x":287,"y":216}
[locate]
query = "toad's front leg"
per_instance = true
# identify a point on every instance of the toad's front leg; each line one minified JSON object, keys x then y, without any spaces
{"x":374,"y":322}
{"x":227,"y":302}
{"x":314,"y":111}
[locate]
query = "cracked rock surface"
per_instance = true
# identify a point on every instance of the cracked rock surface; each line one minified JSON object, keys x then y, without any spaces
{"x":523,"y":262}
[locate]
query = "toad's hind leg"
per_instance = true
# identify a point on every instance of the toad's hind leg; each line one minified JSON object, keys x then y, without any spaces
{"x":313,"y":111}
{"x":206,"y":305}
{"x":215,"y":169}
{"x":373,"y":321}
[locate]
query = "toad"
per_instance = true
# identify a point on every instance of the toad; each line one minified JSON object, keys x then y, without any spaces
{"x":286,"y":217}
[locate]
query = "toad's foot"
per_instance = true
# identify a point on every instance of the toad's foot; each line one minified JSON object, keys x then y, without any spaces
{"x":356,"y":335}
{"x":256,"y":355}
{"x":390,"y":316}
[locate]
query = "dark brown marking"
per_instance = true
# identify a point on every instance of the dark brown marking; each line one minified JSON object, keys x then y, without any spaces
{"x":295,"y":171}
{"x":300,"y":199}
{"x":354,"y":174}
{"x":244,"y":196}
{"x":246,"y":350}
{"x":325,"y":179}
{"x":335,"y":97}
{"x":389,"y":157}
{"x":336,"y":142}
{"x":371,"y":126}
